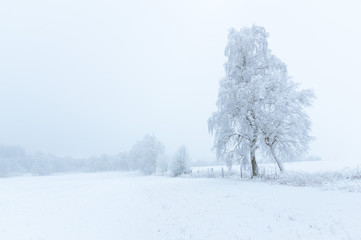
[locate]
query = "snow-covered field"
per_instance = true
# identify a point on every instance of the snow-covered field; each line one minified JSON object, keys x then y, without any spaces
{"x":131,"y":206}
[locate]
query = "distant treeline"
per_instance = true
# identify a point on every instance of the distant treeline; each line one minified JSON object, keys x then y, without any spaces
{"x":15,"y":161}
{"x":147,"y":156}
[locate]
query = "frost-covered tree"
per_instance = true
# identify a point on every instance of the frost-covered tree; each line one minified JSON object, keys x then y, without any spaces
{"x":284,"y":125}
{"x":259,"y":107}
{"x":162,"y":164}
{"x":180,"y":163}
{"x":12,"y":160}
{"x":42,"y":164}
{"x":145,"y":153}
{"x":120,"y":162}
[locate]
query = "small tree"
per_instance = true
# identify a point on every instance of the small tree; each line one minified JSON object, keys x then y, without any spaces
{"x":258,"y":105}
{"x":162,"y":164}
{"x":145,"y":153}
{"x":42,"y":164}
{"x":180,"y":163}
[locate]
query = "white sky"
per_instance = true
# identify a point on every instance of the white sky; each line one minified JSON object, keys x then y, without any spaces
{"x":88,"y":77}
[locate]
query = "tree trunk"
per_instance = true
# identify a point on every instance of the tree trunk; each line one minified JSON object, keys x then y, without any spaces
{"x":279,"y":164}
{"x":253,"y":144}
{"x":240,"y":168}
{"x":254,"y":163}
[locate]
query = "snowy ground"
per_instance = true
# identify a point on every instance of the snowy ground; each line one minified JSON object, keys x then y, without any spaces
{"x":130,"y":206}
{"x":328,"y":175}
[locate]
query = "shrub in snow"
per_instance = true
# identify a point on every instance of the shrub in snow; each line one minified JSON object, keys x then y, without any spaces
{"x":180,"y":163}
{"x":346,"y":179}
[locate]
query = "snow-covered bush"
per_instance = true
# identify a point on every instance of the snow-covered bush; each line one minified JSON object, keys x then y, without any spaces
{"x":347,"y":179}
{"x":180,"y":162}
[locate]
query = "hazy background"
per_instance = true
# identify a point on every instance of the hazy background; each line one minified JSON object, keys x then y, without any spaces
{"x":83,"y":78}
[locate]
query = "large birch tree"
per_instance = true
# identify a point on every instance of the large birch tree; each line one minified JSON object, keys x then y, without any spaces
{"x":259,"y":106}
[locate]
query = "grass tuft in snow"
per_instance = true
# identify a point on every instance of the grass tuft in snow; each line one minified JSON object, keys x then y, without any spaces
{"x":348,"y":179}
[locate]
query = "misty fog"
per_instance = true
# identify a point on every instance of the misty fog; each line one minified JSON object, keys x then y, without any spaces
{"x":87,"y":78}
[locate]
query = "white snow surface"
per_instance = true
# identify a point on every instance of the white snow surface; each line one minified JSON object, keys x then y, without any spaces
{"x":126,"y":206}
